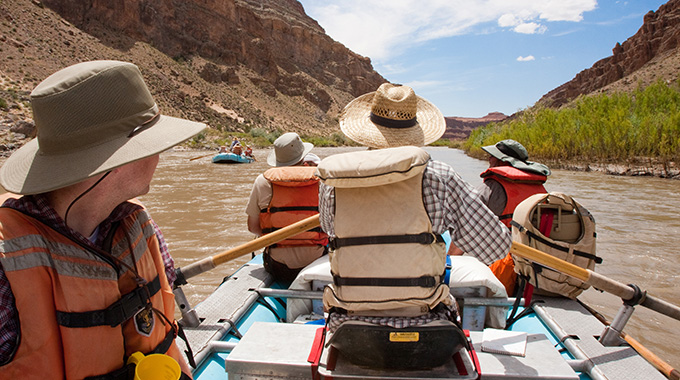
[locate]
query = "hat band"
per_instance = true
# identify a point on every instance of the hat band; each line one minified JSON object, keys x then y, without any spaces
{"x":507,"y":151}
{"x":390,"y":123}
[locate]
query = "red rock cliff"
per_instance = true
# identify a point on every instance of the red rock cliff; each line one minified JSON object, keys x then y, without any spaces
{"x":273,"y":38}
{"x":659,"y":34}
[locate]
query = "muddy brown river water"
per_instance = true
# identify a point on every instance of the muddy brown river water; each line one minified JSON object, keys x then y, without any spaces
{"x":200,"y":208}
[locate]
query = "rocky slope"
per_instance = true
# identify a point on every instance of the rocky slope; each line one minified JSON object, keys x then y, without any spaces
{"x":651,"y":54}
{"x":235,"y":64}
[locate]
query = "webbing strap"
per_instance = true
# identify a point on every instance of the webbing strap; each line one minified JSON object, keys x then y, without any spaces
{"x":119,"y":312}
{"x":165,"y":344}
{"x":505,"y":216}
{"x":598,"y":260}
{"x":421,"y":238}
{"x":289,"y":208}
{"x":423,"y":281}
{"x":272,"y":229}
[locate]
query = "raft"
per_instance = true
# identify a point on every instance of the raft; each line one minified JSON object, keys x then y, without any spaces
{"x":243,"y":330}
{"x":231,"y":158}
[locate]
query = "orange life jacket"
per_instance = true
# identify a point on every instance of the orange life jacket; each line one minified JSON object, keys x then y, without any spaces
{"x":295,"y":196}
{"x":518,"y":186}
{"x":64,"y":295}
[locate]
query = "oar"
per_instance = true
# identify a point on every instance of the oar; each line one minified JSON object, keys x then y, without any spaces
{"x":209,"y":263}
{"x":594,"y":279}
{"x":205,"y":155}
{"x":651,"y":357}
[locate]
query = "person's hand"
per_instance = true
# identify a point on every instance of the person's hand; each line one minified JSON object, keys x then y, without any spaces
{"x":454,"y":251}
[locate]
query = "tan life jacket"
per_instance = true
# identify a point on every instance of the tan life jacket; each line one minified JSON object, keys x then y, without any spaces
{"x":378,"y":201}
{"x":65,"y":296}
{"x":556,"y":224}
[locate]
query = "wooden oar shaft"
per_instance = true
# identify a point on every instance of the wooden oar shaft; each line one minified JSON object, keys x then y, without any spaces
{"x":650,"y":356}
{"x":596,"y":280}
{"x":205,"y":155}
{"x":209,"y":263}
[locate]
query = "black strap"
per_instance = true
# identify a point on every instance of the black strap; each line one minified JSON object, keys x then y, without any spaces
{"x":119,"y":312}
{"x":519,"y":291}
{"x":165,"y":344}
{"x":289,"y":208}
{"x":189,"y":352}
{"x":421,"y":238}
{"x":392,"y":123}
{"x":423,"y":281}
{"x":272,"y":229}
{"x":505,"y":216}
{"x":598,"y":260}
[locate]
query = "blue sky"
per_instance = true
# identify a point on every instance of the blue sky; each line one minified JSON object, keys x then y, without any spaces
{"x":472,"y":57}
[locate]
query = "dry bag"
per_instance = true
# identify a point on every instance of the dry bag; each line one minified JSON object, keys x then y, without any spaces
{"x":556,"y":224}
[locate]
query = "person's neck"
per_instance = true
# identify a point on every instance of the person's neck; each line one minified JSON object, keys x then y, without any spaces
{"x":86,"y":213}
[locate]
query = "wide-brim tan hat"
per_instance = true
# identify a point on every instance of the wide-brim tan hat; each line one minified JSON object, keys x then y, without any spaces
{"x":288,"y":150}
{"x":90,"y":118}
{"x":392,"y":116}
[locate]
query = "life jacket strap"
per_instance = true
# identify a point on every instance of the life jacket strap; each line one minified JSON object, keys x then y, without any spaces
{"x":423,"y":281}
{"x":117,"y":313}
{"x":421,"y":238}
{"x":505,"y":216}
{"x":272,"y":210}
{"x":270,"y":230}
{"x":596,"y":259}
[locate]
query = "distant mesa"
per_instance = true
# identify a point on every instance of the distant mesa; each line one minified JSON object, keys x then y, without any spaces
{"x":459,"y":128}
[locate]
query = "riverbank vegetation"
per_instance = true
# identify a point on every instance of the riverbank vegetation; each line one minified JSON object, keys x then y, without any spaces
{"x":260,"y":138}
{"x":642,"y":126}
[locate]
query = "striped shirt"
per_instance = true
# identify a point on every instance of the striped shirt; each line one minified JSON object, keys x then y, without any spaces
{"x":452,"y":204}
{"x":37,"y":206}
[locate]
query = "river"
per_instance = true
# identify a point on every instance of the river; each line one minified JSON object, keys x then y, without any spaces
{"x":200,"y":208}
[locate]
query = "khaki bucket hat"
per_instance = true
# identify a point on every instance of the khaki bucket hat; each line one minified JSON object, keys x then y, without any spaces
{"x":392,"y":116}
{"x":515,"y":154}
{"x":288,"y":150}
{"x":90,"y":118}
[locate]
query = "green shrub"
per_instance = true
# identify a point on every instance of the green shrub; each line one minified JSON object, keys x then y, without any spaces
{"x":619,"y":126}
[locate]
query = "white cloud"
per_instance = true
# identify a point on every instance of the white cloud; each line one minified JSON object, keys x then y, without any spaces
{"x":526,"y":59}
{"x":507,"y":20}
{"x":382,"y":29}
{"x":530,"y":28}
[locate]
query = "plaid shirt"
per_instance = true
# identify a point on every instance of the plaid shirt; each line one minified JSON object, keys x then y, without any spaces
{"x":452,"y":204}
{"x":36,"y":205}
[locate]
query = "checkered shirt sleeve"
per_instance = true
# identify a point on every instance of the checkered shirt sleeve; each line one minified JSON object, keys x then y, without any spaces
{"x":454,"y":205}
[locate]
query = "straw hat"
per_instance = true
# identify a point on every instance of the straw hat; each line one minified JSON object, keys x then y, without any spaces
{"x":392,"y":116}
{"x":288,"y":150}
{"x":90,"y":118}
{"x":515,"y":154}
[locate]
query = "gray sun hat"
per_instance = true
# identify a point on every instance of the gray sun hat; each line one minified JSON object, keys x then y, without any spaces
{"x":90,"y":117}
{"x":288,"y":150}
{"x":515,"y":154}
